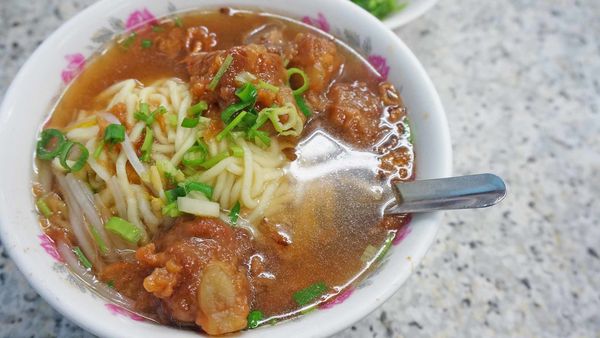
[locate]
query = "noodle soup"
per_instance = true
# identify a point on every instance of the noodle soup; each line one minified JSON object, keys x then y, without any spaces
{"x":223,"y":170}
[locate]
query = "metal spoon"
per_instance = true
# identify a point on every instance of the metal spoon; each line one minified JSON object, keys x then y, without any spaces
{"x":463,"y":192}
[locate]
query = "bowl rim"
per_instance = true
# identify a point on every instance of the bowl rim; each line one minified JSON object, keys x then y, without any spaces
{"x":413,"y":11}
{"x":75,"y":314}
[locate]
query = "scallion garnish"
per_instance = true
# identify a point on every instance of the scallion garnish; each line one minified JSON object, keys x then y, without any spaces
{"x":171,"y":120}
{"x":259,"y":135}
{"x":111,"y":284}
{"x":305,"y":81}
{"x":254,"y":318}
{"x":129,"y":40}
{"x":302,"y":105}
{"x":99,"y":148}
{"x":228,"y":113}
{"x":206,"y":189}
{"x":408,"y":130}
{"x":43,"y":208}
{"x":211,"y":162}
{"x":234,"y":214}
{"x":267,"y":86}
{"x":114,"y":133}
{"x":123,"y":229}
{"x":237,"y":151}
{"x":231,"y":125}
{"x":172,"y":194}
{"x":195,"y":156}
{"x":79,"y":162}
{"x":171,"y":210}
{"x":178,"y":22}
{"x":43,"y":152}
{"x":309,"y":294}
{"x":147,"y":145}
{"x":157,"y":29}
{"x":189,"y":122}
{"x":101,"y":245}
{"x":247,"y":92}
{"x":146,"y":43}
{"x":198,"y":108}
{"x":84,"y":260}
{"x":215,"y":81}
{"x":144,"y":113}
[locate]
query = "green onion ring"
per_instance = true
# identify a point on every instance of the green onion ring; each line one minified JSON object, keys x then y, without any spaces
{"x":304,"y":87}
{"x":47,"y":135}
{"x":80,"y":162}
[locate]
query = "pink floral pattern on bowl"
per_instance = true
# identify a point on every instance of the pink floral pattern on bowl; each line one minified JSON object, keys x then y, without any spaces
{"x":75,"y":65}
{"x":380,"y":64}
{"x":319,"y":22}
{"x":48,"y":245}
{"x":118,"y":310}
{"x":139,"y":18}
{"x":339,"y":299}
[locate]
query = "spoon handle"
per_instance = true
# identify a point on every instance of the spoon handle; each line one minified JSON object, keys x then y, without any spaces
{"x":463,"y":192}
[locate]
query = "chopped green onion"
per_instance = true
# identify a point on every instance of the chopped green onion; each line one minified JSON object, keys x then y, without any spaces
{"x":259,"y":135}
{"x":144,"y":113}
{"x":157,"y":29}
{"x":146,"y":43}
{"x":215,"y":81}
{"x":195,"y":156}
{"x":86,"y":262}
{"x":234,"y":214}
{"x":254,"y":318}
{"x":408,"y":130}
{"x":111,"y":284}
{"x":368,"y":254}
{"x":386,"y":245}
{"x":43,"y":208}
{"x":101,"y":245}
{"x":172,"y":194}
{"x":124,"y":229}
{"x":267,"y":86}
{"x":237,"y":151}
{"x":299,"y":91}
{"x":43,"y":152}
{"x":147,"y":145}
{"x":211,"y":162}
{"x":309,"y":294}
{"x":198,"y":108}
{"x":206,"y":189}
{"x":114,"y":133}
{"x":171,"y":120}
{"x":231,"y":125}
{"x":178,"y":21}
{"x":129,"y":40}
{"x":171,"y":210}
{"x":228,"y":113}
{"x":99,"y":148}
{"x":189,"y":122}
{"x":80,"y":162}
{"x":302,"y":105}
{"x":247,"y":92}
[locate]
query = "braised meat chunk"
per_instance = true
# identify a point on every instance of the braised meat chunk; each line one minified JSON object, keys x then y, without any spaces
{"x":356,"y":111}
{"x":320,"y":59}
{"x":251,"y":59}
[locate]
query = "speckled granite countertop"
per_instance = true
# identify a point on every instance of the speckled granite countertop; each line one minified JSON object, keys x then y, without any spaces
{"x":520,"y":81}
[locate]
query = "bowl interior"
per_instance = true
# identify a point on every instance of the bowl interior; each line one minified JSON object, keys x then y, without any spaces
{"x":35,"y":89}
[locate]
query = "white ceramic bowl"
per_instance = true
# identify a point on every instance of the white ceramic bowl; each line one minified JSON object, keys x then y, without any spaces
{"x":36,"y":87}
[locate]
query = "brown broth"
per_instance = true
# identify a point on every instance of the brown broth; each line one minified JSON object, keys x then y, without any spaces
{"x":339,"y":215}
